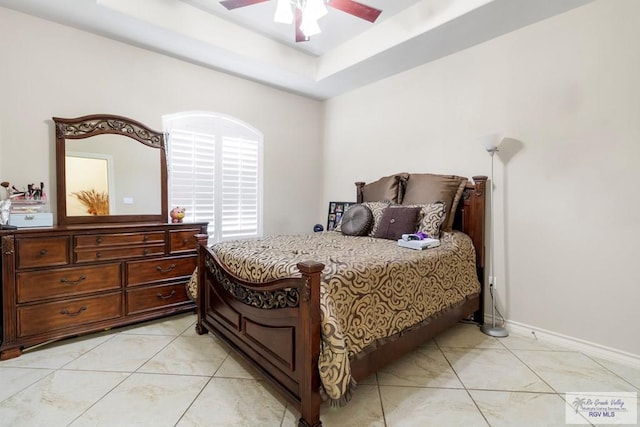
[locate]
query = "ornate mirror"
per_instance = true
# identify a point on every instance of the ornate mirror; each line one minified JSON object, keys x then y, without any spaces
{"x":109,"y":169}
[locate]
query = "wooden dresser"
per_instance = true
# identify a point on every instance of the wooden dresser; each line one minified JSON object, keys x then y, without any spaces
{"x":68,"y":280}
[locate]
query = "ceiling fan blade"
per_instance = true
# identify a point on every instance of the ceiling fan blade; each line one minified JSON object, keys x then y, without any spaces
{"x":354,"y":8}
{"x":234,"y":4}
{"x":300,"y":36}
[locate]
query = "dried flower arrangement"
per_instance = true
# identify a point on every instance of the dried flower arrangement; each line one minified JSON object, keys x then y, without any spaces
{"x":96,"y":203}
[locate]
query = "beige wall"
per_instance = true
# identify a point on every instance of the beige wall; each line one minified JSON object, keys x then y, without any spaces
{"x":49,"y":70}
{"x":567,"y":91}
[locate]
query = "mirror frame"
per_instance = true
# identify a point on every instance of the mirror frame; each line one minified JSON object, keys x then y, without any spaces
{"x":99,"y":124}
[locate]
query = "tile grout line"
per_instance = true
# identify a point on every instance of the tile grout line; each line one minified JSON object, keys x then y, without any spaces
{"x":211,"y":378}
{"x":129,"y":373}
{"x":36,"y":381}
{"x":613,"y":372}
{"x":529,"y":367}
{"x":556,"y":392}
{"x":461,"y":382}
{"x":52,"y":370}
{"x":384,"y":416}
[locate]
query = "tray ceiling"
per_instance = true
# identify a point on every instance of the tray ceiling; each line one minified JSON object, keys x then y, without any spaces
{"x":349,"y":52}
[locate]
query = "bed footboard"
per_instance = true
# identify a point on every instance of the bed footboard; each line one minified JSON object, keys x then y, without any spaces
{"x":275,"y":326}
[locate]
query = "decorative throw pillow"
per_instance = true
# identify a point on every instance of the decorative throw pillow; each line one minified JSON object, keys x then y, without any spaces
{"x":430,"y":188}
{"x":377,"y":209}
{"x":356,"y":221}
{"x":430,"y":218}
{"x":397,"y":221}
{"x":385,"y":189}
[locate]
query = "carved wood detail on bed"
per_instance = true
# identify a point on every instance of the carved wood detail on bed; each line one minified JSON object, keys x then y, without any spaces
{"x":283,"y":343}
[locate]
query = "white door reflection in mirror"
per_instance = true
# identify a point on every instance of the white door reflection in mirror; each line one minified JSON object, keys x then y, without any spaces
{"x":90,"y":189}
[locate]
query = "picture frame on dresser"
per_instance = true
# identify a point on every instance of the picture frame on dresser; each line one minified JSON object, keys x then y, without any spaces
{"x":90,"y":273}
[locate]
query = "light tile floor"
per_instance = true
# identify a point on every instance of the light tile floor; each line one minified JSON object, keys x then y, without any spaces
{"x":162,"y":373}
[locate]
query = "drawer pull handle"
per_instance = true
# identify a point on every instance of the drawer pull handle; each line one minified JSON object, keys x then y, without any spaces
{"x":99,"y":240}
{"x":172,"y":293}
{"x":166,"y":270}
{"x":185,"y":242}
{"x":145,"y":251}
{"x":73,"y":282}
{"x":98,"y":254}
{"x":43,"y":252}
{"x":145,"y":238}
{"x":77,"y":313}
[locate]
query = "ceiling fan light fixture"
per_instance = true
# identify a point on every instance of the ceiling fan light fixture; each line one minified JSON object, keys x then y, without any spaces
{"x":309,"y":27}
{"x":284,"y":12}
{"x":306,"y":13}
{"x":312,"y":11}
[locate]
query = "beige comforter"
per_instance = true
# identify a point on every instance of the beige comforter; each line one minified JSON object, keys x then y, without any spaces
{"x":372,"y":289}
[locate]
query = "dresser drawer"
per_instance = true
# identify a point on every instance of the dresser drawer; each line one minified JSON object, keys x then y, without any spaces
{"x":119,"y":239}
{"x":49,"y":317}
{"x":183,"y":240}
{"x":151,"y":298}
{"x":60,"y":282}
{"x":160,"y":269}
{"x":118,"y":253}
{"x":42,"y":252}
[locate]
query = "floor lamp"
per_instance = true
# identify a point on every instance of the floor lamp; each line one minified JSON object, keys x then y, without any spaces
{"x":492,"y":329}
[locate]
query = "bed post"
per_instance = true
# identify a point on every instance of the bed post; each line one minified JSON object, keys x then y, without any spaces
{"x":473,"y":224}
{"x":200,"y":303}
{"x":359,"y":186}
{"x":310,"y":323}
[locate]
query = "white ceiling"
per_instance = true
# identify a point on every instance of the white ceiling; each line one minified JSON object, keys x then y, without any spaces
{"x":349,"y":52}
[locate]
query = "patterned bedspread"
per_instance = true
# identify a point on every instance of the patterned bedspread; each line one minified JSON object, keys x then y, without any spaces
{"x":372,"y":289}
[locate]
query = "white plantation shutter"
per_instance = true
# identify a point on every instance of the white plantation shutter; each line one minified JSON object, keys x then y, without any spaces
{"x":215,"y":172}
{"x":192,"y":175}
{"x":240,"y":188}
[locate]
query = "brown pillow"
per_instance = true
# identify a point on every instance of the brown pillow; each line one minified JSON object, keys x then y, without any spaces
{"x":356,"y":221}
{"x":397,"y":221}
{"x":431,"y":188}
{"x":386,"y":189}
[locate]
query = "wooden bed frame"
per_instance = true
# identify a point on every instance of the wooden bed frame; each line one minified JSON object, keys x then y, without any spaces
{"x":283,"y":344}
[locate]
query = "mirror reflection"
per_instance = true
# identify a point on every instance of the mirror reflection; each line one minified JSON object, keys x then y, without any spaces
{"x":111,"y":175}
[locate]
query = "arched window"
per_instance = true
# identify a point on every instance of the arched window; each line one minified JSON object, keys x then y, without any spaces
{"x":215,"y":172}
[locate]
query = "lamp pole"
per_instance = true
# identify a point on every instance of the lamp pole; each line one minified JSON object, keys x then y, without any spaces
{"x":493,"y":330}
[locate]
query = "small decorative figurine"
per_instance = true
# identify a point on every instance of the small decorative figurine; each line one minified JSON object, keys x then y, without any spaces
{"x":177,"y":214}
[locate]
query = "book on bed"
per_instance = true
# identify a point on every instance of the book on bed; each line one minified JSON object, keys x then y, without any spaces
{"x":419,"y":245}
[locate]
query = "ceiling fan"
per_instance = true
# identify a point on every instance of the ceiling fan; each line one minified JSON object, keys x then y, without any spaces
{"x":307,"y":12}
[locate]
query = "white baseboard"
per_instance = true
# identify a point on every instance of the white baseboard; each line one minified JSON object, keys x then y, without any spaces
{"x":571,"y":343}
